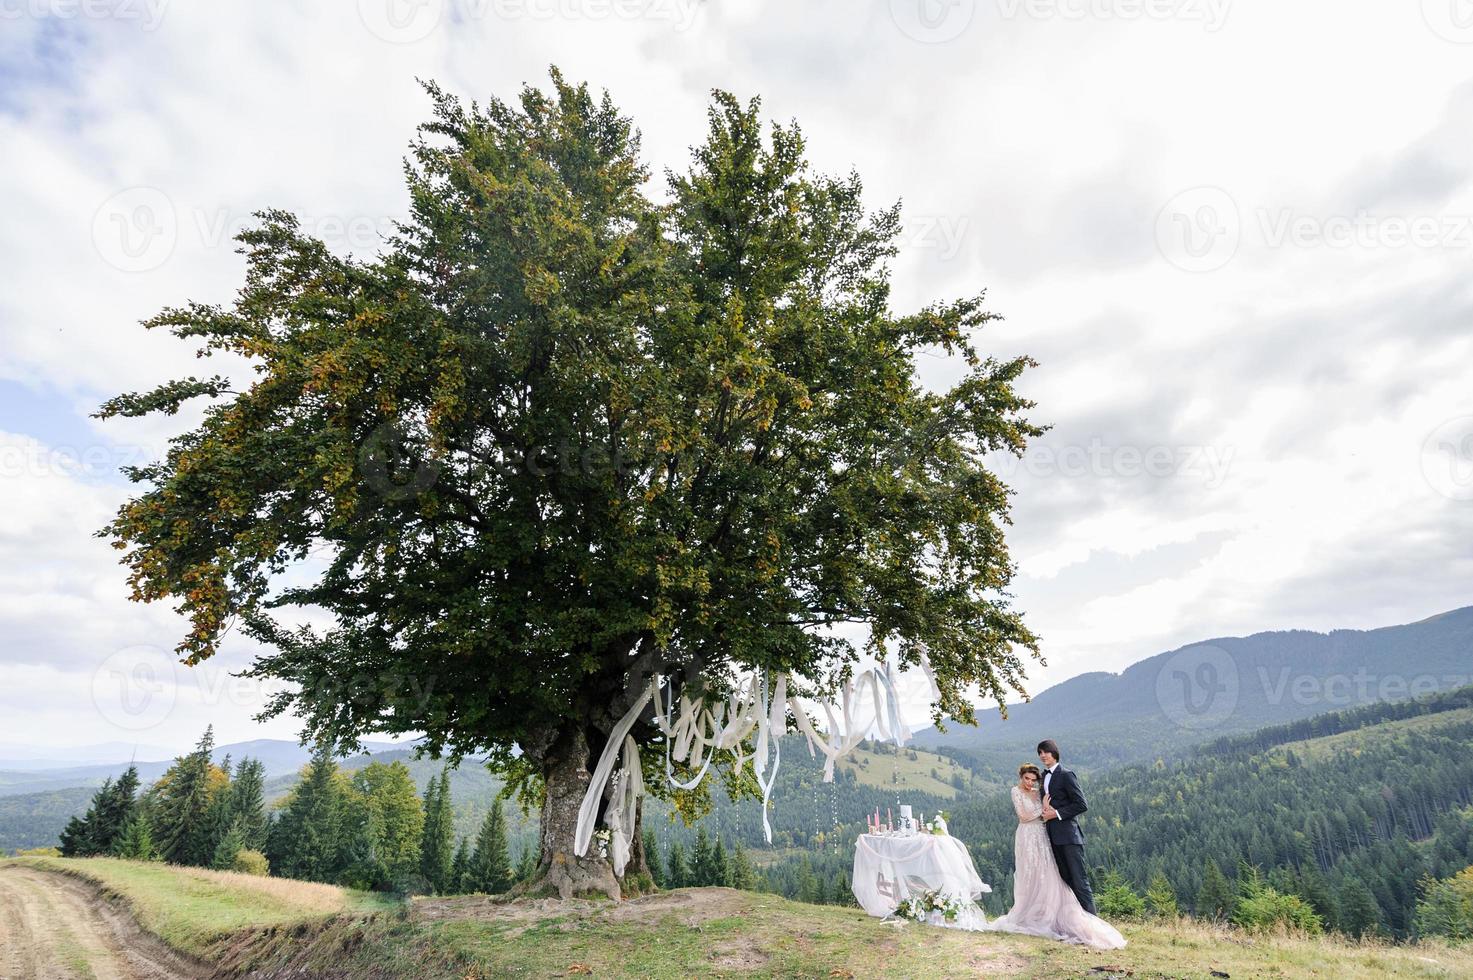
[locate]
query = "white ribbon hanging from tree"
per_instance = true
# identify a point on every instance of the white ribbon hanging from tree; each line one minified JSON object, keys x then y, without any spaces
{"x":696,"y":734}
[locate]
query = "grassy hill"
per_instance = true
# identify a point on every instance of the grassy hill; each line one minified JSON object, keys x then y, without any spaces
{"x":237,"y":926}
{"x":1219,"y":687}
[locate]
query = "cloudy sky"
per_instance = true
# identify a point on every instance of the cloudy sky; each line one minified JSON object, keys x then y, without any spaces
{"x":1235,"y":233}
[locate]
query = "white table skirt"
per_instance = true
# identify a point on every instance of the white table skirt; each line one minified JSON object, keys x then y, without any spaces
{"x":888,"y":870}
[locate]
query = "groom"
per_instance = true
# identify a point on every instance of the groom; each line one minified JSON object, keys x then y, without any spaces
{"x":1065,"y":801}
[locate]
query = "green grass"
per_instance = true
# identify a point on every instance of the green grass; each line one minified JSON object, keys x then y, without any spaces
{"x":302,"y":929}
{"x":1328,"y":745}
{"x":872,"y":769}
{"x":190,"y":908}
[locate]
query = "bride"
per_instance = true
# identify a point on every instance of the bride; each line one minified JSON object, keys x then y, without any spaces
{"x":1042,"y":904}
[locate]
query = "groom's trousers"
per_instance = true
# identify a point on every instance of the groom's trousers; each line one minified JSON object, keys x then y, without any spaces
{"x":1070,"y":859}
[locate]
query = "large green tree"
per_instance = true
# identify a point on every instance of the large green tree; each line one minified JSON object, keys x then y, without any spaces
{"x":393,"y":821}
{"x":565,"y":432}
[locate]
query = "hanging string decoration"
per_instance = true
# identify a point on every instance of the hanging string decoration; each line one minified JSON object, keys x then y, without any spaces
{"x":696,"y":731}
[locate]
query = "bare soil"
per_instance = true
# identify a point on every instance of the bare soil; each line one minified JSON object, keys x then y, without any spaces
{"x":55,"y":927}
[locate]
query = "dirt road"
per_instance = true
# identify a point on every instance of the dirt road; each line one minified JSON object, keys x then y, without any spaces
{"x":53,"y":927}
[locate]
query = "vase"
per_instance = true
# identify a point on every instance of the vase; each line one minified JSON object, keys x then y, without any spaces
{"x":937,"y":919}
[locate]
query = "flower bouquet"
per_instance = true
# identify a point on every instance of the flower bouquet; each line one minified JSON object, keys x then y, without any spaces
{"x":928,"y":906}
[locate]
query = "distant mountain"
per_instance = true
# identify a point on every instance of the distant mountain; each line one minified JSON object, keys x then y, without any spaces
{"x":1219,"y":687}
{"x":18,"y":757}
{"x":281,"y":758}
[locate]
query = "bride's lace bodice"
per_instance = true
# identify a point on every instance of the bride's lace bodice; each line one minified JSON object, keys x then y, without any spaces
{"x":1027,"y":806}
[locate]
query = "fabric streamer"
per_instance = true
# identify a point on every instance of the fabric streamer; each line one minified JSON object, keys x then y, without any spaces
{"x":696,"y":732}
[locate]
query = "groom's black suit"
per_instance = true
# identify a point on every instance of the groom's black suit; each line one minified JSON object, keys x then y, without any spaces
{"x":1064,"y":833}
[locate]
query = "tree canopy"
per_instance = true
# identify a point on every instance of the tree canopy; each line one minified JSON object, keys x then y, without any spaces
{"x":563,"y":433}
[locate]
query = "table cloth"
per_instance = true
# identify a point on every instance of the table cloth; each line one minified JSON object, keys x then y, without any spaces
{"x":888,"y":869}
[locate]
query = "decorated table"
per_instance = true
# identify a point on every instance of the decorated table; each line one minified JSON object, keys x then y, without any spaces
{"x":908,"y":869}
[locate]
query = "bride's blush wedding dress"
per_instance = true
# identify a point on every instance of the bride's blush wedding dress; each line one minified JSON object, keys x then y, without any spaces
{"x":1042,"y":904}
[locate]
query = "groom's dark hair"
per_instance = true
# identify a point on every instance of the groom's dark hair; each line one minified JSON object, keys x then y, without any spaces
{"x":1051,"y":747}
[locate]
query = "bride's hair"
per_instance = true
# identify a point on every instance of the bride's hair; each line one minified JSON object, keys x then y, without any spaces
{"x":1028,"y":767}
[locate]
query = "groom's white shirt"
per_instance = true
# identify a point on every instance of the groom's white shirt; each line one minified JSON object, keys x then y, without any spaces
{"x":1047,"y":775}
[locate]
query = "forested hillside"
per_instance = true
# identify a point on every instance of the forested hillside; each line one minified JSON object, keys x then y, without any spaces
{"x":1349,"y":810}
{"x":1219,"y":687}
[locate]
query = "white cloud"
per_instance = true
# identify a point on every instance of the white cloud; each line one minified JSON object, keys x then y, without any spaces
{"x":1035,"y":153}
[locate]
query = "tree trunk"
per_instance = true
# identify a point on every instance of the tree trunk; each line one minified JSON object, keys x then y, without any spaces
{"x":566,"y":774}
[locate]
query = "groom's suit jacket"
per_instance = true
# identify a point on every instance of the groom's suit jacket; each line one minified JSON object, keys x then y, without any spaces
{"x":1068,"y":799}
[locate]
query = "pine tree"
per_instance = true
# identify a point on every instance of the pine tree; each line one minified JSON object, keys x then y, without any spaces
{"x":113,"y":807}
{"x":1161,"y":898}
{"x":740,"y":874}
{"x":76,"y":836}
{"x":232,"y":842}
{"x":459,"y":882}
{"x":719,"y":873}
{"x":307,"y":841}
{"x":809,"y":887}
{"x":490,"y":870}
{"x":527,"y":866}
{"x":436,"y":850}
{"x":1314,"y":890}
{"x":136,"y":841}
{"x":186,"y":792}
{"x":1359,"y":913}
{"x":1215,"y":900}
{"x":247,"y":806}
{"x":700,"y":861}
{"x":679,"y":869}
{"x":652,"y":859}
